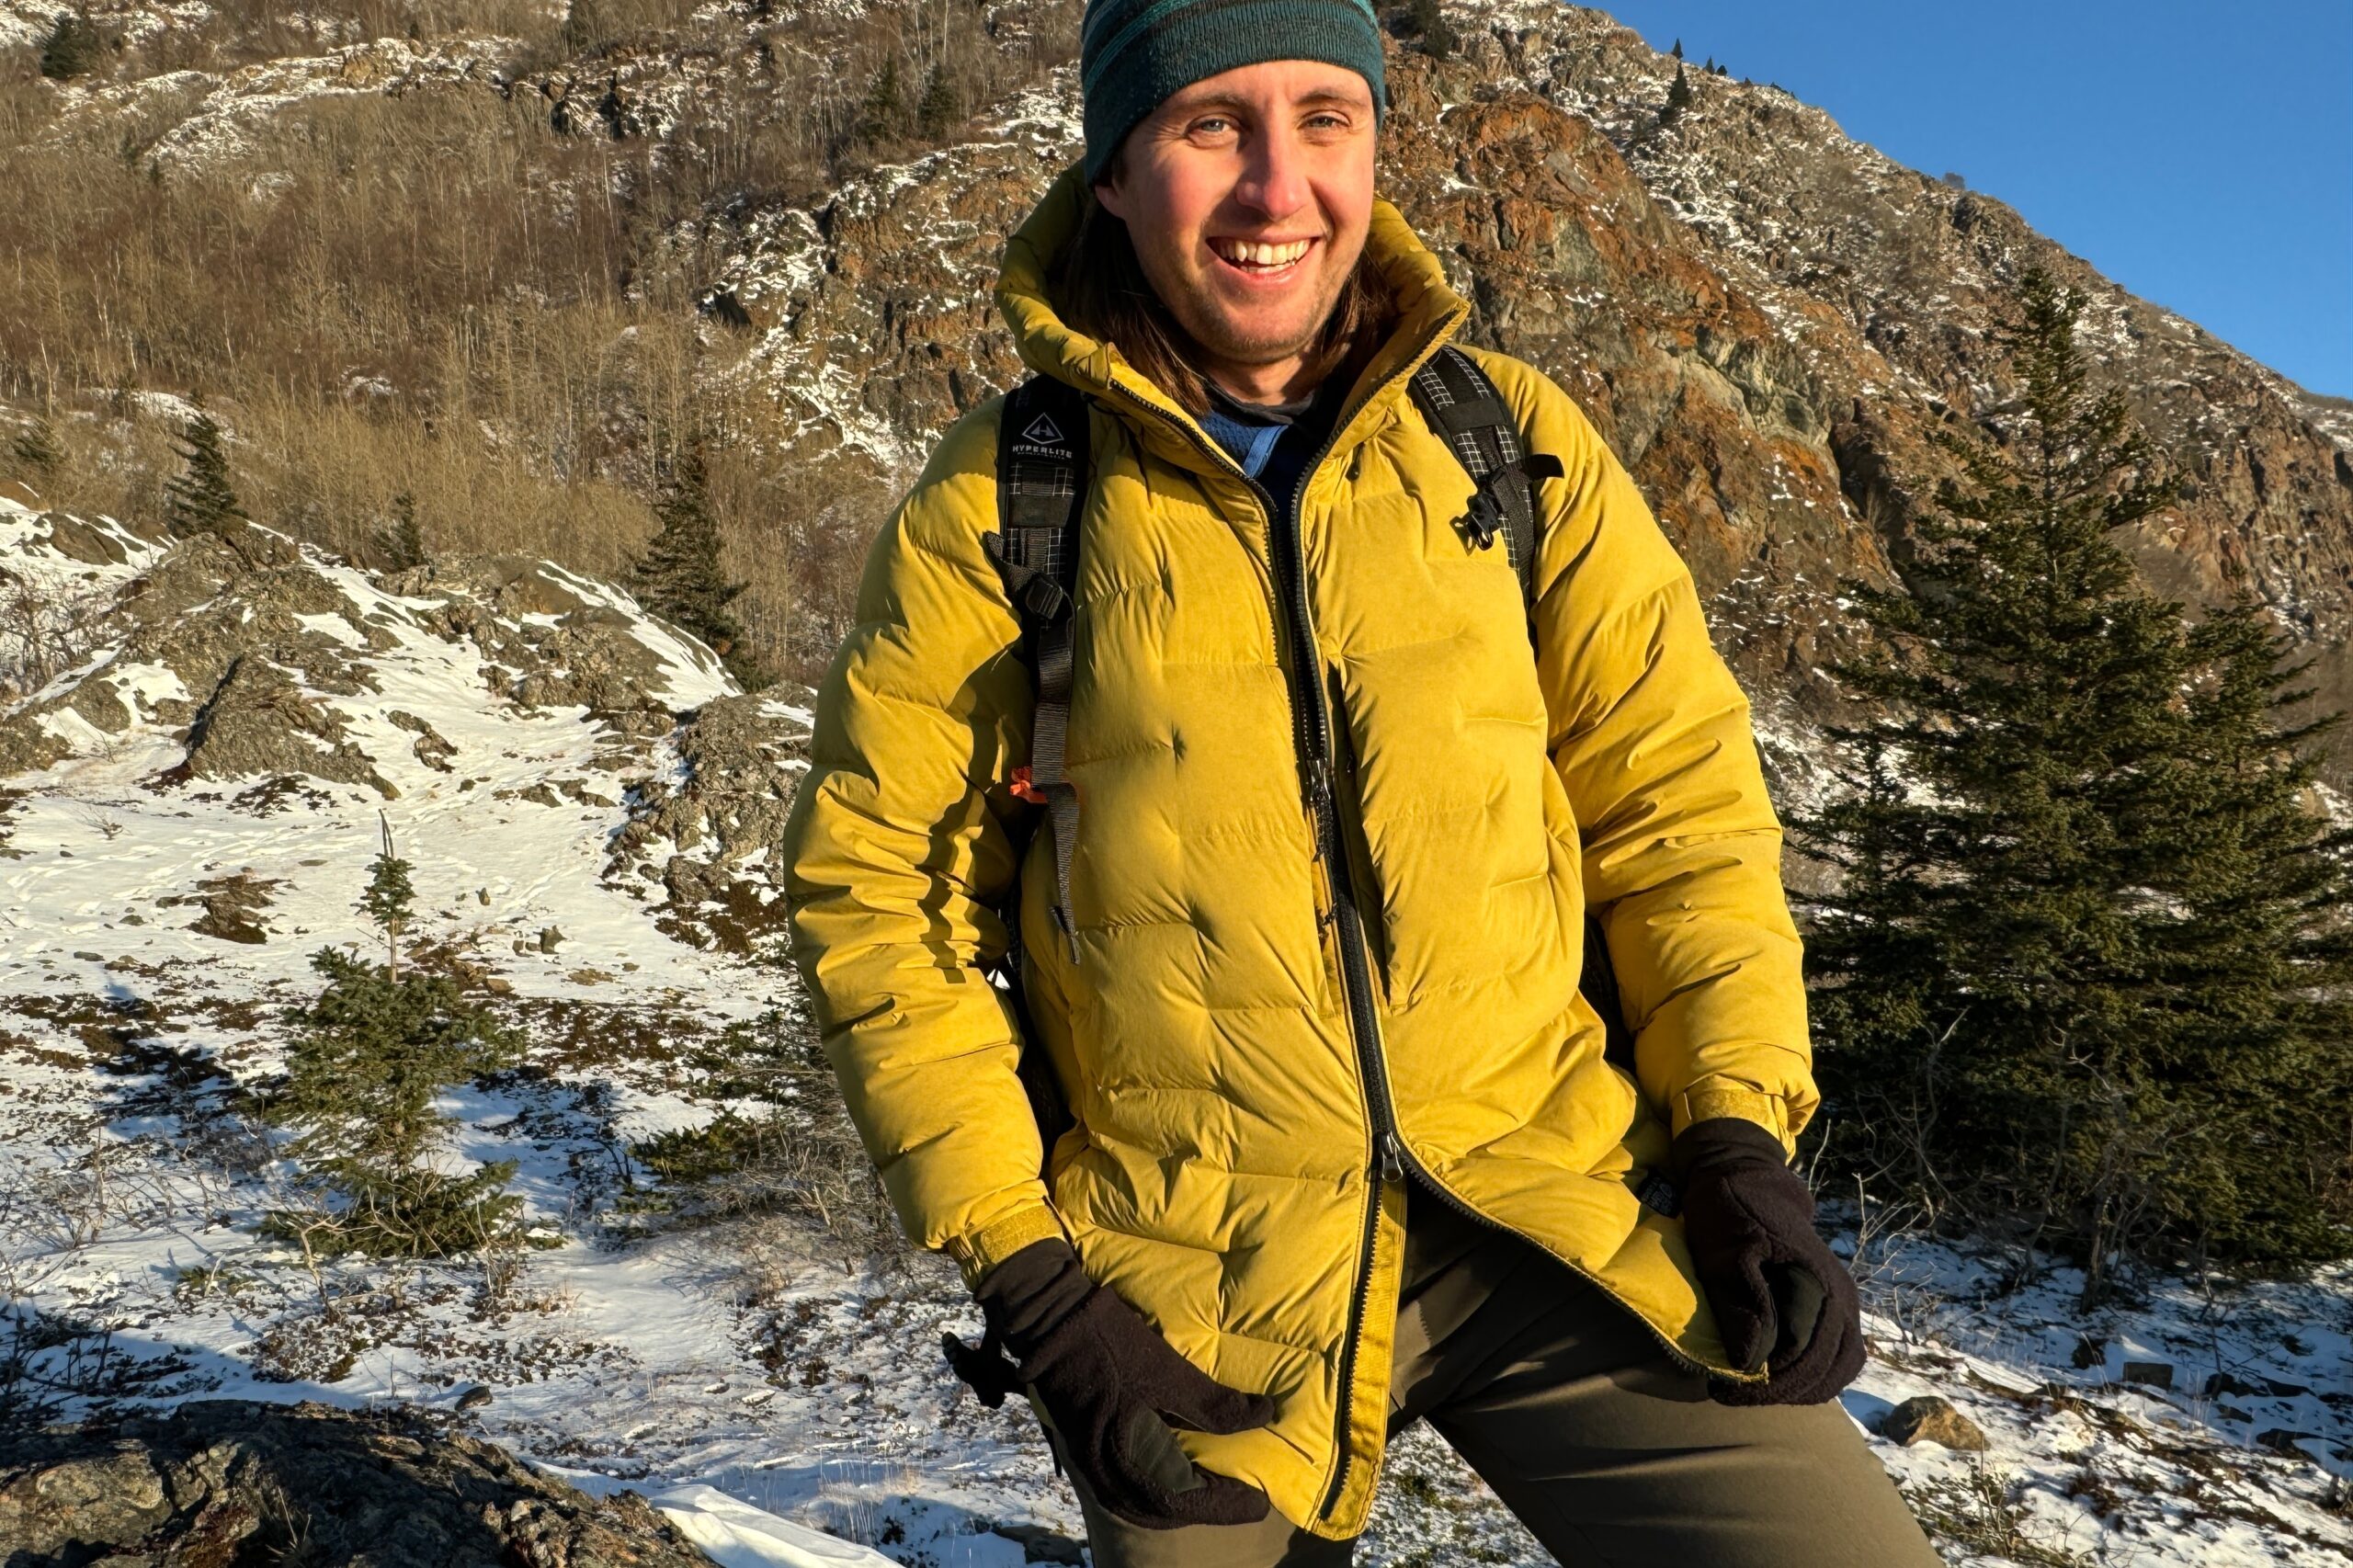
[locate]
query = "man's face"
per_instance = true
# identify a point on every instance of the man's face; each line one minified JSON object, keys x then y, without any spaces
{"x":1247,"y":196}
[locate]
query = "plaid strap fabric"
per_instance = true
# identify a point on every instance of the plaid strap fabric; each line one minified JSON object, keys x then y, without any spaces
{"x":1463,"y":406}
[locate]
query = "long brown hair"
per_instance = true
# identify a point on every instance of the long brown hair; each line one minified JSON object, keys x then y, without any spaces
{"x":1102,"y":292}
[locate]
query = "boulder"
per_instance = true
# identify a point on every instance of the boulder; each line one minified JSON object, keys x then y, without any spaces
{"x":1931,"y":1418}
{"x":234,"y":1482}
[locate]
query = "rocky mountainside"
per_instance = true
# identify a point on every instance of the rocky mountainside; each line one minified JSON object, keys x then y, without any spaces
{"x":1763,"y":315}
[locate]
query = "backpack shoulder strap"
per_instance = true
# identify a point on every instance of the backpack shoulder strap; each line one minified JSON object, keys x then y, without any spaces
{"x":1042,"y":467}
{"x":1465,"y":406}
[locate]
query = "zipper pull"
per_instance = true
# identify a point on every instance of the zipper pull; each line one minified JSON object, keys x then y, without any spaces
{"x":1319,"y":781}
{"x":1392,"y":1163}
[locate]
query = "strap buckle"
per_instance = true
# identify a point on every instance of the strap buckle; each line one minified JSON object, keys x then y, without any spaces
{"x":1484,"y":520}
{"x":1044,"y":597}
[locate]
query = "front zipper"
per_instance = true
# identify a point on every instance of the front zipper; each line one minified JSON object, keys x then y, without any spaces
{"x":1311,"y":737}
{"x":1356,"y":980}
{"x":1389,"y":1159}
{"x":1382,"y":1163}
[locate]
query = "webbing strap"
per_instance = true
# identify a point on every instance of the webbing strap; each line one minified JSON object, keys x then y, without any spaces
{"x":1462,"y":404}
{"x":1041,"y":459}
{"x":1464,"y":407}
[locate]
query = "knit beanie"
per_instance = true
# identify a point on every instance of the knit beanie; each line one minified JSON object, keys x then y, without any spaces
{"x":1134,"y":54}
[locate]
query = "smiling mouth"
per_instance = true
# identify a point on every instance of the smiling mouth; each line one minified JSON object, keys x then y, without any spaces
{"x":1260,"y":258}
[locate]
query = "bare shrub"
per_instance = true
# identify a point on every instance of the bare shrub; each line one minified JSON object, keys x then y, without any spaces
{"x":44,"y":631}
{"x":799,"y":1155}
{"x":1982,"y":1511}
{"x":47,"y":1360}
{"x":70,"y":1200}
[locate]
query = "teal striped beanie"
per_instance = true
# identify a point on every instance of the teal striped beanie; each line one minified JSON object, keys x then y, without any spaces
{"x":1133,"y":54}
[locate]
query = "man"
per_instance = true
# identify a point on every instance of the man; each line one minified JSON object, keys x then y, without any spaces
{"x":1345,"y":1150}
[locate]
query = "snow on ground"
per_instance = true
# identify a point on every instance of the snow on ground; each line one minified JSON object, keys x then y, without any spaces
{"x":2205,"y":1423}
{"x":740,"y":1370}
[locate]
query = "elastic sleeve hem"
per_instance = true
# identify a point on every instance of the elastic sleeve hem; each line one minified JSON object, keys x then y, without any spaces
{"x":979,"y":1251}
{"x":1715,"y":1097}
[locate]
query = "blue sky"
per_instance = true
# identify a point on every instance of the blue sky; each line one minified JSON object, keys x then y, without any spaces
{"x":2201,"y":155}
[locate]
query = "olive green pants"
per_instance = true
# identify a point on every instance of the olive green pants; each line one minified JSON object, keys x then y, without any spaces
{"x":1610,"y":1451}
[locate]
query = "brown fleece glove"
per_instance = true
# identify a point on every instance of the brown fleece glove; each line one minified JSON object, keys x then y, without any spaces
{"x":1786,"y":1304}
{"x":1109,"y":1385}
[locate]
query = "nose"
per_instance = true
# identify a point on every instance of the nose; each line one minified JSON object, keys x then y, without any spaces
{"x":1274,"y":177}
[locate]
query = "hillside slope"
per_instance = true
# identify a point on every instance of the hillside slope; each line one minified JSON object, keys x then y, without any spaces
{"x":1765,"y":316}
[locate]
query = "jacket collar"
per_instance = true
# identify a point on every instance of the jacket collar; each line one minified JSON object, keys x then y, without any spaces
{"x":1430,"y":312}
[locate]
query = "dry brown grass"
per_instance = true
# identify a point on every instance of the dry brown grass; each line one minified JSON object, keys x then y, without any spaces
{"x":440,"y":292}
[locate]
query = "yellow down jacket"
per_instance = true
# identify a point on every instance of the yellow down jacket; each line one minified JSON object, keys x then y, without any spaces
{"x":1224,"y":1173}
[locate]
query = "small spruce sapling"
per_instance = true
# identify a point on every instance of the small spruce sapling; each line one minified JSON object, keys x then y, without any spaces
{"x":679,"y":576}
{"x":368,"y":1055}
{"x":2086,"y":938}
{"x":878,"y":115}
{"x":200,"y":501}
{"x":935,"y":110}
{"x":401,"y":539}
{"x":389,"y":899}
{"x":1679,"y":98}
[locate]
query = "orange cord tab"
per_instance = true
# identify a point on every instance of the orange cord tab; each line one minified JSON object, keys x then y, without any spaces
{"x":1023,"y":789}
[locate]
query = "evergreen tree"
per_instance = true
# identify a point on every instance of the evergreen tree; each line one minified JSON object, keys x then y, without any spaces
{"x":680,"y":575}
{"x":2044,"y":1001}
{"x":199,"y":501}
{"x":34,"y":449}
{"x":878,"y":114}
{"x":1678,"y":98}
{"x":1425,"y":21}
{"x":2254,"y":963}
{"x":389,"y":899}
{"x":367,"y":1058}
{"x":74,"y":47}
{"x":401,"y":540}
{"x":1677,"y":49}
{"x":935,"y":110}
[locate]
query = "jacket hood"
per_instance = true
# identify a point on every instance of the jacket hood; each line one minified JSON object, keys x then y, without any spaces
{"x":1430,"y":312}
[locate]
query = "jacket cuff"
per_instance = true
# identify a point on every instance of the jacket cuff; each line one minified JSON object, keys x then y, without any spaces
{"x":1713,"y":1098}
{"x":977,"y":1252}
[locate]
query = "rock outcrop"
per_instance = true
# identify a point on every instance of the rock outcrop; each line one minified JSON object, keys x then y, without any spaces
{"x":1764,"y":317}
{"x":249,"y":662}
{"x":232,"y":1484}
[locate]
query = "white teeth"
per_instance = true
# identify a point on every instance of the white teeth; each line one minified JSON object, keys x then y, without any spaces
{"x":1261,"y":255}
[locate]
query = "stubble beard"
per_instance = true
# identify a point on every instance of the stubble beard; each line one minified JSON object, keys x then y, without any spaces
{"x":1198,"y":311}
